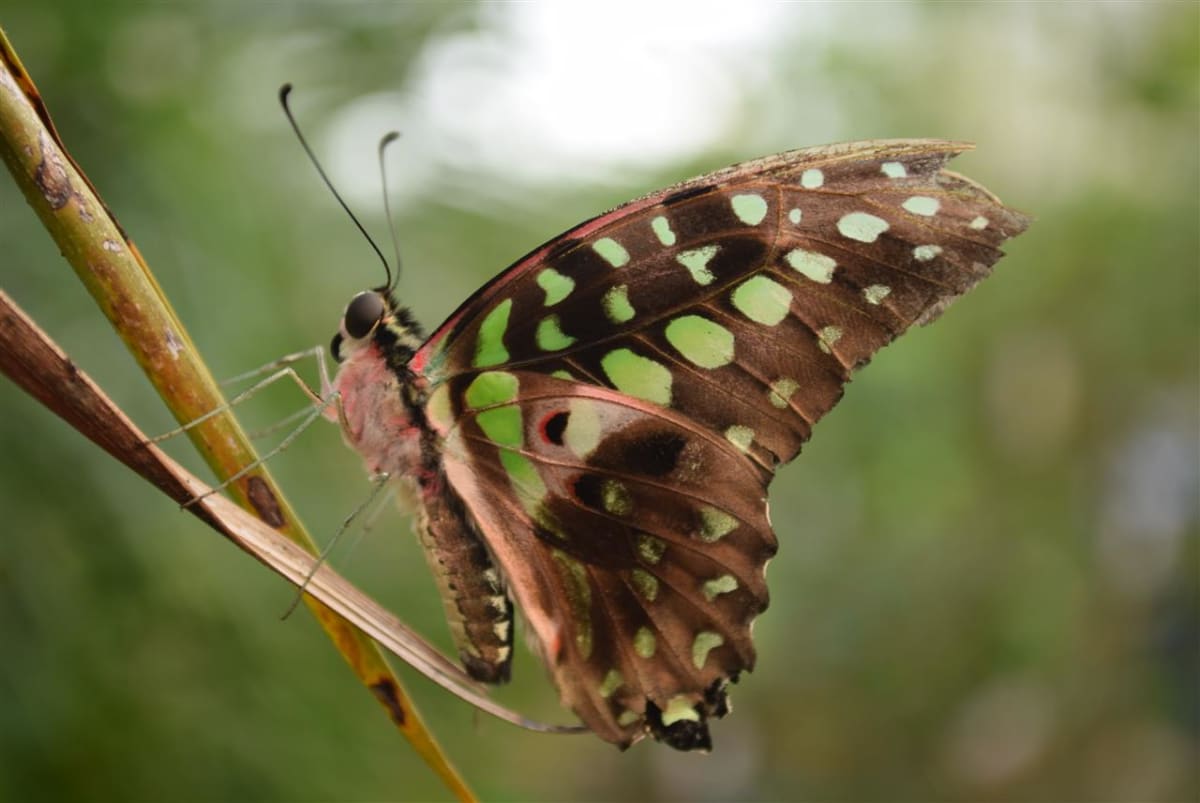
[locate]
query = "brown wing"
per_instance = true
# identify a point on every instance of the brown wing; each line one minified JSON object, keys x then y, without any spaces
{"x":633,"y":541}
{"x":712,"y":323}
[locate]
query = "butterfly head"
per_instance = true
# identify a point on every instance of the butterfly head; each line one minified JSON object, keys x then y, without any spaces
{"x":373,"y":317}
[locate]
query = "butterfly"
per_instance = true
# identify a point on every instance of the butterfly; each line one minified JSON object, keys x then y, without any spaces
{"x":591,"y":435}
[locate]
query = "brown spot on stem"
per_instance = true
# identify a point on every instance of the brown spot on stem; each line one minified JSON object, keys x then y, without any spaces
{"x":264,"y":501}
{"x":385,"y":691}
{"x":51,"y":175}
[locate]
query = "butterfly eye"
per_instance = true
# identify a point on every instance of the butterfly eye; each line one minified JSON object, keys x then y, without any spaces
{"x":363,"y":313}
{"x":335,"y":347}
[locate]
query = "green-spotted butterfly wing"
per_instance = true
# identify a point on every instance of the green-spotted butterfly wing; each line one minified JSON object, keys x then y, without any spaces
{"x":603,"y":419}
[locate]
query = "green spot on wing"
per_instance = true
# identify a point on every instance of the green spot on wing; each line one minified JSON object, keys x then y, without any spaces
{"x":627,"y":718}
{"x":611,"y":251}
{"x":715,"y":524}
{"x":679,"y":708}
{"x":762,"y":300}
{"x":701,"y":341}
{"x":651,"y":549}
{"x":740,"y":436}
{"x":645,"y":583}
{"x":922,"y":205}
{"x":615,"y":498}
{"x":582,"y":434}
{"x":612,"y":681}
{"x":662,"y":230}
{"x":638,"y":376}
{"x":862,"y":226}
{"x":720,"y":585}
{"x":438,"y":409}
{"x":502,"y":425}
{"x":706,"y":641}
{"x":491,"y":388}
{"x":876,"y":293}
{"x":696,"y":261}
{"x":617,"y":306}
{"x":556,"y":285}
{"x":750,"y":208}
{"x":525,"y":480}
{"x":817,"y":267}
{"x":548,"y":521}
{"x":550,"y":335}
{"x":924,"y":253}
{"x":489,"y":347}
{"x":644,"y":643}
{"x":781,"y":392}
{"x":827,"y":337}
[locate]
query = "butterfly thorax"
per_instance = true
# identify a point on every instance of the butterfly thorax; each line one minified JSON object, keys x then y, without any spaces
{"x":376,"y":416}
{"x":380,"y":400}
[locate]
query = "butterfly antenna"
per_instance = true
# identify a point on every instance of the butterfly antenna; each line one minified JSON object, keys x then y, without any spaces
{"x":286,"y":90}
{"x":388,"y":139}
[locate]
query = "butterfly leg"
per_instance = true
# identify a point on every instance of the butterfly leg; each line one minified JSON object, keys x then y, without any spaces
{"x":333,"y":400}
{"x":316,"y":352}
{"x":281,"y":369}
{"x":284,"y":423}
{"x":379,"y":483}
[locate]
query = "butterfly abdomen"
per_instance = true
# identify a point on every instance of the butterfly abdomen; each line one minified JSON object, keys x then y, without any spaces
{"x":477,"y":607}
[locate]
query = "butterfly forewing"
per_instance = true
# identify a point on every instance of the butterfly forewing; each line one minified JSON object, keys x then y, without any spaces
{"x":637,"y":381}
{"x":745,"y":298}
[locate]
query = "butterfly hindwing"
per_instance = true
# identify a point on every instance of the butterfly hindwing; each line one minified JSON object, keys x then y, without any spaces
{"x":634,"y":542}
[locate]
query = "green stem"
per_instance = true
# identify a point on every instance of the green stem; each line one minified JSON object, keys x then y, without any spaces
{"x":113,"y":271}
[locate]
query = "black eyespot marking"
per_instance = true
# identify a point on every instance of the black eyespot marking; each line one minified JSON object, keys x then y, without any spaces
{"x":363,"y":313}
{"x":589,"y":492}
{"x":554,"y":427}
{"x":685,"y":734}
{"x":335,"y":347}
{"x":656,"y":454}
{"x":715,"y":697}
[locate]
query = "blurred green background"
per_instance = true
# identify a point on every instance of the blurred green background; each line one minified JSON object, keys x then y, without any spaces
{"x":987,"y":582}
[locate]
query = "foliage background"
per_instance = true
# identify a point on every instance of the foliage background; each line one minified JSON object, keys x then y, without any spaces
{"x":987,"y":583}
